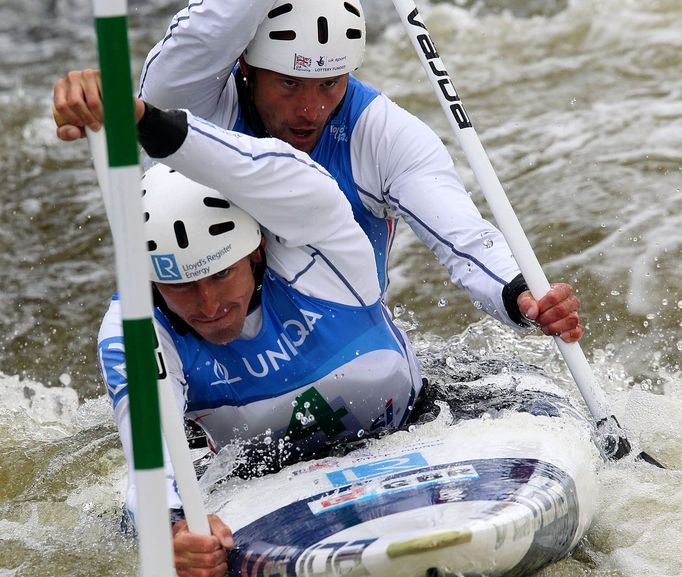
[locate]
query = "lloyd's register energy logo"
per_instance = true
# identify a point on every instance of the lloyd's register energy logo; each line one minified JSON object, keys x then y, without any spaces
{"x":166,"y":267}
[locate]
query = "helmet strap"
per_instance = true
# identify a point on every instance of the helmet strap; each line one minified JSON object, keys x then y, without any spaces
{"x":258,"y":269}
{"x":245,"y":88}
{"x":180,"y":326}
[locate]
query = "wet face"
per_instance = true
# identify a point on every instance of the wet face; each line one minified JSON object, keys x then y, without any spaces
{"x":215,"y":306}
{"x":295,"y":110}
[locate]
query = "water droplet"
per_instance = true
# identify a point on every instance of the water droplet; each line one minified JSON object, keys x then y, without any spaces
{"x":306,"y":405}
{"x":443,"y":302}
{"x":412,"y":428}
{"x":294,"y":403}
{"x":488,"y":243}
{"x":299,"y":416}
{"x":399,"y":310}
{"x":267,"y":440}
{"x":679,"y":345}
{"x":615,"y":293}
{"x":361,"y":433}
{"x":65,"y":379}
{"x":478,"y":305}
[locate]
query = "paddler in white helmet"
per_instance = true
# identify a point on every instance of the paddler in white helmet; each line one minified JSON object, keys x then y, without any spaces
{"x":269,"y":311}
{"x":283,"y":69}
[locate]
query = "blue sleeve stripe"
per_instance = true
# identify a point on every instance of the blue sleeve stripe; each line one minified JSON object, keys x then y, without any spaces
{"x":447,"y":243}
{"x":254,"y":157}
{"x":342,"y":278}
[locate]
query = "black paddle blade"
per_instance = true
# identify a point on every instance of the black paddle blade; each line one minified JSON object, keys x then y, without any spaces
{"x":615,"y":445}
{"x":643,"y":456}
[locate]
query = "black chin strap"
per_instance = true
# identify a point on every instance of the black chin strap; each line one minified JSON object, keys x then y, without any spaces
{"x":258,"y":269}
{"x":245,"y":95}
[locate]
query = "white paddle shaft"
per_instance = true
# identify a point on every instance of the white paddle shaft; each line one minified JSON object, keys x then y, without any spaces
{"x":495,"y":196}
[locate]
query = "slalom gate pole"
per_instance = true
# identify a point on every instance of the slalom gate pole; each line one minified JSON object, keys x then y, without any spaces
{"x":614,"y":443}
{"x":171,"y":420}
{"x":152,"y":518}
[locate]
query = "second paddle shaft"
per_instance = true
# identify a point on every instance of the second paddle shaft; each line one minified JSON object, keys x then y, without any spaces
{"x":495,"y":196}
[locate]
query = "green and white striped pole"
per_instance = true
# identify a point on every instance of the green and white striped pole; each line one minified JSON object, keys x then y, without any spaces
{"x":132,"y":271}
{"x":172,"y":423}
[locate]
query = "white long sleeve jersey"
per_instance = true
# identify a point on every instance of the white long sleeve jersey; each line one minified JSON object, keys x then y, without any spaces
{"x":319,"y":361}
{"x":387,"y":162}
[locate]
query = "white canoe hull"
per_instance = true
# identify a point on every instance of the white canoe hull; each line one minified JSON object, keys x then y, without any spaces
{"x":484,"y":497}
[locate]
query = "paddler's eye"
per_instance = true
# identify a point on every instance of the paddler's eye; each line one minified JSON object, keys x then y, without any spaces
{"x":223,"y":273}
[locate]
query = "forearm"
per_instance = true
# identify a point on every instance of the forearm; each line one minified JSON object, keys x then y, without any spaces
{"x":416,"y":180}
{"x":190,"y":67}
{"x":281,"y":187}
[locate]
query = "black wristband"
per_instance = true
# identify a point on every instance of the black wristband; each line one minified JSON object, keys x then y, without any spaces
{"x":510,"y":294}
{"x":161,"y":132}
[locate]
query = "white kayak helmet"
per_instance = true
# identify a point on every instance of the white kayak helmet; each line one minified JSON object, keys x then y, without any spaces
{"x":192,"y":231}
{"x":310,"y":38}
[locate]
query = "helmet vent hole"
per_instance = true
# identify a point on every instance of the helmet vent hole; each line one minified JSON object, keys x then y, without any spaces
{"x":146,"y":217}
{"x":353,"y":34}
{"x":215,"y":202}
{"x":221,"y":228}
{"x":352,"y":9}
{"x":181,"y":234}
{"x":151,"y":246}
{"x":283,"y":35}
{"x":280,"y":10}
{"x":322,"y":30}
